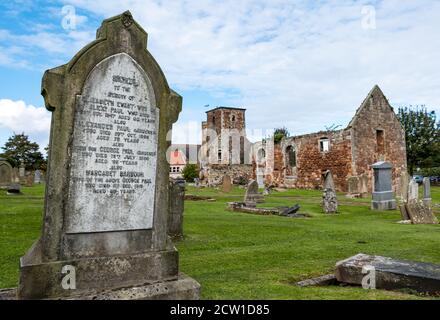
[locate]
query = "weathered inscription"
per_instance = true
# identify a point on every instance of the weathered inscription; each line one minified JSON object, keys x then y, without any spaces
{"x":113,"y":166}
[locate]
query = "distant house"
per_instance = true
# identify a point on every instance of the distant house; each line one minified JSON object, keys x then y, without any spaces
{"x":177,"y":163}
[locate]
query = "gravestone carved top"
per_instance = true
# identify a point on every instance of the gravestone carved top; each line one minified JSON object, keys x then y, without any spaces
{"x":107,"y":200}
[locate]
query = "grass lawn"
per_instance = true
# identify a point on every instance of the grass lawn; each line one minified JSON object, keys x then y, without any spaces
{"x":245,"y":256}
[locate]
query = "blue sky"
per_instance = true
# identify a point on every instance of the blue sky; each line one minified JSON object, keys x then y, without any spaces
{"x":300,"y":64}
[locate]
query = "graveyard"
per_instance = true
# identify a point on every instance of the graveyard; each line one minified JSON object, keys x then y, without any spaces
{"x":118,"y":208}
{"x":244,"y":256}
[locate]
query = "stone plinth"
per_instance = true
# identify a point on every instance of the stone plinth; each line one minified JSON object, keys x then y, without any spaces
{"x":383,"y":196}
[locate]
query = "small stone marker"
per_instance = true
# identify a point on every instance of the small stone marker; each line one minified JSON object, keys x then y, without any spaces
{"x":226,"y":184}
{"x":22,"y":171}
{"x":177,"y":201}
{"x":329,"y":200}
{"x":252,"y":195}
{"x":6,"y":174}
{"x":404,"y":186}
{"x":37,"y":177}
{"x":383,"y":197}
{"x":413,"y":191}
{"x":427,"y":200}
{"x":363,"y":185}
{"x":105,"y":227}
{"x":389,"y":273}
{"x":29,"y":180}
{"x":353,"y":185}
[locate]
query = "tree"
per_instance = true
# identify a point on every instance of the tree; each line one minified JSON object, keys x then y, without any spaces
{"x":190,"y":172}
{"x":279,"y":134}
{"x":20,"y":149}
{"x":422,"y":134}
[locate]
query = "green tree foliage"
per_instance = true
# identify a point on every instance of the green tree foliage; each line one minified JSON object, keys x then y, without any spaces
{"x":190,"y":172}
{"x":20,"y":149}
{"x":422,"y":134}
{"x":279,"y":134}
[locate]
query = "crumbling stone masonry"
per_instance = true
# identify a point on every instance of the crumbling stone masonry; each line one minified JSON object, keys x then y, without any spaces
{"x":374,"y":134}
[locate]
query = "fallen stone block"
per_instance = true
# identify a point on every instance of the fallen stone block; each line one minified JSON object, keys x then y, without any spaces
{"x":390,"y":274}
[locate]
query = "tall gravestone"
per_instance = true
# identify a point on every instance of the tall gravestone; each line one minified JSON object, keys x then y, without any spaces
{"x":329,"y":200}
{"x":106,"y":205}
{"x":6,"y":174}
{"x":383,"y":196}
{"x":226,"y":184}
{"x":177,"y":206}
{"x":37,"y":177}
{"x":427,"y":200}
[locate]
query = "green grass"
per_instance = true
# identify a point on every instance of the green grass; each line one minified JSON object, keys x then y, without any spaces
{"x":244,"y":256}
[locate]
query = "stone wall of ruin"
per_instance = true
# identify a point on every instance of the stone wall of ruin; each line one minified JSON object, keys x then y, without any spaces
{"x":312,"y":162}
{"x":376,"y":114}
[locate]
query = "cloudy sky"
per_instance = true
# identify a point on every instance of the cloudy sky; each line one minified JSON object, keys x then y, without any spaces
{"x":302,"y":64}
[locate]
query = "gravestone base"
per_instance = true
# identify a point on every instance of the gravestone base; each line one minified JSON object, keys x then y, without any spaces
{"x":138,"y":274}
{"x":383,"y":201}
{"x":384,"y":205}
{"x":183,"y":288}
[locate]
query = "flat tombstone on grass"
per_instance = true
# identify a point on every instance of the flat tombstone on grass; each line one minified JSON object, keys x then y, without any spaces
{"x":107,"y":185}
{"x":383,"y":197}
{"x":226,"y":184}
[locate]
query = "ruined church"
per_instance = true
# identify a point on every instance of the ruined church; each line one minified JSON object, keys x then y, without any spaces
{"x":374,"y":134}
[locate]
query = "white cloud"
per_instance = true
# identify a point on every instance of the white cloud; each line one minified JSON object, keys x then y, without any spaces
{"x":20,"y":117}
{"x":303,"y":64}
{"x":300,"y":64}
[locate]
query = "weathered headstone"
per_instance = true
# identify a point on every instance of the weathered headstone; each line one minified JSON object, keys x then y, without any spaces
{"x":404,"y":180}
{"x":106,"y":210}
{"x":383,"y":197}
{"x":37,"y":177}
{"x":419,"y":213}
{"x":197,"y":182}
{"x":177,"y":201}
{"x":427,"y":200}
{"x":29,"y":180}
{"x":5,"y":174}
{"x":14,"y":189}
{"x":353,"y":185}
{"x":252,"y":195}
{"x":226,"y":184}
{"x":363,"y":185}
{"x":22,"y":170}
{"x":413,"y":191}
{"x":329,"y":200}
